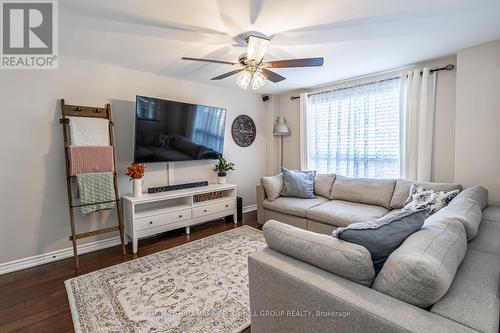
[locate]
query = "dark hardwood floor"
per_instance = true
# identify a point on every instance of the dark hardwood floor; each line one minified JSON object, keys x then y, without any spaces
{"x":34,"y":299}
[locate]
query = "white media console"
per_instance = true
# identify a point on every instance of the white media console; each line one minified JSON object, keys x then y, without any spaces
{"x":159,"y":212}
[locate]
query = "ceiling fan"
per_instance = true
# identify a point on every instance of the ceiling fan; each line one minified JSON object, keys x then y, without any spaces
{"x":253,"y":70}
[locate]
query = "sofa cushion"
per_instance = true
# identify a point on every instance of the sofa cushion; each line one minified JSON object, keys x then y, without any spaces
{"x":364,"y":190}
{"x":296,"y":221}
{"x":424,"y":198}
{"x":466,"y":211}
{"x":273,"y":185}
{"x":320,"y":228}
{"x":342,"y":258}
{"x":384,"y":235}
{"x":402,"y":190}
{"x":298,"y":184}
{"x":323,"y":184}
{"x":487,"y":239}
{"x":422,"y":269}
{"x":342,"y":213}
{"x":476,"y":193}
{"x":473,"y":298}
{"x":492,"y":213}
{"x":293,"y":206}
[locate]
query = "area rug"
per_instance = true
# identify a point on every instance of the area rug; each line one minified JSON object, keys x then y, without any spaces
{"x":201,"y":286}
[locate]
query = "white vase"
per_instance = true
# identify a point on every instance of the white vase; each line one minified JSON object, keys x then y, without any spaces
{"x":137,"y":187}
{"x":222,"y":180}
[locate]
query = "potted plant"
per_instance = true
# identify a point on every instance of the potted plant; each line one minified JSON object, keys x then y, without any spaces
{"x":136,"y":171}
{"x":222,"y":167}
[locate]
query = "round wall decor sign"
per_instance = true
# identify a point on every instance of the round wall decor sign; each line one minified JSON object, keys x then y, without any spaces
{"x":243,"y":130}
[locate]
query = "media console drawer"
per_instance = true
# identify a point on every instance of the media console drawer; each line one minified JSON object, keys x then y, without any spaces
{"x":162,"y":219}
{"x":213,"y":208}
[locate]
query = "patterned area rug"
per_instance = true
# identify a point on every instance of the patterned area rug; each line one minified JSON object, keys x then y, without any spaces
{"x":200,"y":286}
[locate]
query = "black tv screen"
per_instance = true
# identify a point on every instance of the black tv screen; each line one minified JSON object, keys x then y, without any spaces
{"x":167,"y":131}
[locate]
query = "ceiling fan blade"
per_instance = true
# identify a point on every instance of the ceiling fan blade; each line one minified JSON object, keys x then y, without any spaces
{"x":256,"y":48}
{"x":272,"y":76}
{"x":99,"y":11}
{"x":305,"y":62}
{"x":223,"y":76}
{"x":210,"y":60}
{"x":255,"y":9}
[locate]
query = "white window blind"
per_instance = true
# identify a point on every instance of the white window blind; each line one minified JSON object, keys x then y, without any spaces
{"x":355,"y":131}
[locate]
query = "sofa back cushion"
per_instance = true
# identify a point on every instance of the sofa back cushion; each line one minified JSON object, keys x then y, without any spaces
{"x":323,"y":184}
{"x":402,"y":190}
{"x":465,"y":211}
{"x":422,"y":269}
{"x":273,"y":185}
{"x":476,"y":193}
{"x":348,"y":260}
{"x":368,"y":191}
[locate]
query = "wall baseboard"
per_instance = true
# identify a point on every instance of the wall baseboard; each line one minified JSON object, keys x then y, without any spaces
{"x":45,"y":258}
{"x":48,"y":257}
{"x":249,"y":208}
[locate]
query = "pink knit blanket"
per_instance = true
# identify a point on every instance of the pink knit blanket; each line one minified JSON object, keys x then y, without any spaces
{"x":86,"y":159}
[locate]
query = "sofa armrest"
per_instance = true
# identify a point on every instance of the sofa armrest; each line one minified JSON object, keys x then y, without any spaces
{"x":261,"y":196}
{"x":288,"y":295}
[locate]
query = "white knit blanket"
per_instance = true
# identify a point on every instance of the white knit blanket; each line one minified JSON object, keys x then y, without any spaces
{"x":86,"y":131}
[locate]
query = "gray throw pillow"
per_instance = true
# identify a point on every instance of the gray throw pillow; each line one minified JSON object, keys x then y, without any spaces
{"x":298,"y":184}
{"x":384,"y":235}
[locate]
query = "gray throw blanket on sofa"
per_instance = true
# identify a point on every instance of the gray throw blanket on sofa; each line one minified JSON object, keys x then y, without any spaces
{"x":96,"y":188}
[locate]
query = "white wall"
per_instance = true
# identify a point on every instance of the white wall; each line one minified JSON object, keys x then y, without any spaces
{"x":477,"y":127}
{"x":444,"y":145}
{"x":273,"y":147}
{"x":33,"y":197}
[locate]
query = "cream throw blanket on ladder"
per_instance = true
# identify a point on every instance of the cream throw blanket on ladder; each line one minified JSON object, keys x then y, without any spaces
{"x":85,"y":131}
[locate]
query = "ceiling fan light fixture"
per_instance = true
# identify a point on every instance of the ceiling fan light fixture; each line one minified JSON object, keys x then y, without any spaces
{"x":258,"y":80}
{"x":252,"y":69}
{"x":243,"y":79}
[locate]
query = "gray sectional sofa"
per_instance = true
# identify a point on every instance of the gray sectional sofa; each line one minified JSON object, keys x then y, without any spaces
{"x":339,"y":202}
{"x":443,"y":278}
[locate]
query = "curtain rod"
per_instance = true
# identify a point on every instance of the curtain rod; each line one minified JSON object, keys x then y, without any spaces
{"x":449,"y":67}
{"x":354,"y":86}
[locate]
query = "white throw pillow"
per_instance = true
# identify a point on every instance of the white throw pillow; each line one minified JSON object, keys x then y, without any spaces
{"x":273,"y":185}
{"x":424,"y":198}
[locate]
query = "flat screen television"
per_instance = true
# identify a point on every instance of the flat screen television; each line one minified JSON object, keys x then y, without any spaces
{"x":168,"y":131}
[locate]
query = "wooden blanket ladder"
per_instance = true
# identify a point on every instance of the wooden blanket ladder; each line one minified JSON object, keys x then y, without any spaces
{"x":93,"y":112}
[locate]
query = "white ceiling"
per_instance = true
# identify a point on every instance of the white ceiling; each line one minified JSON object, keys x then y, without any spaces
{"x":355,"y":37}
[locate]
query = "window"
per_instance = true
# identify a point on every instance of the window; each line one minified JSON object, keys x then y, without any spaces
{"x":355,"y":131}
